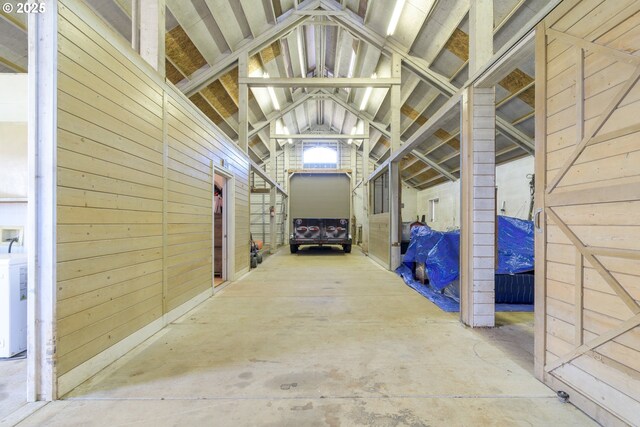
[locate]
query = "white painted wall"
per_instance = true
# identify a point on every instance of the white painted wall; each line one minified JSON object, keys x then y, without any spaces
{"x":448,"y":207}
{"x":513,"y":190}
{"x":409,"y":203}
{"x":513,"y":187}
{"x":13,"y":153}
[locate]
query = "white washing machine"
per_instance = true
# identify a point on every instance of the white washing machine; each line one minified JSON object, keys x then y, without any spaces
{"x":13,"y":304}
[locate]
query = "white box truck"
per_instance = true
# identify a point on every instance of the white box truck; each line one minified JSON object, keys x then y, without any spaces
{"x":320,"y":209}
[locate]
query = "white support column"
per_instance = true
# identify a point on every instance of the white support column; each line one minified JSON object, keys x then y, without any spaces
{"x":478,"y":208}
{"x":365,"y":195}
{"x":135,"y":25}
{"x":480,"y":34}
{"x":353,"y":153}
{"x":395,"y":194}
{"x":285,"y":185}
{"x":272,"y":194}
{"x":396,"y":103}
{"x":243,"y":105}
{"x":42,"y":220}
{"x":395,"y":189}
{"x":478,"y":179}
{"x":152,"y":33}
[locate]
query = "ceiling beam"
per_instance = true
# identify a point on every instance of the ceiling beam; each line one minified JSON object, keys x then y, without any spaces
{"x":515,"y":94}
{"x":318,"y":136}
{"x":258,"y":170}
{"x":381,"y":127}
{"x":318,"y":12}
{"x":336,"y":82}
{"x":420,"y":67}
{"x":15,"y":67}
{"x":257,"y":127}
{"x":520,"y":138}
{"x":449,"y":110}
{"x":420,"y":172}
{"x":442,"y":142}
{"x":523,"y":51}
{"x":13,"y":20}
{"x":287,"y":24}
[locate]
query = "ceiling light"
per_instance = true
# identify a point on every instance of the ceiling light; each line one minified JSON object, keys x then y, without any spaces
{"x":272,"y":94}
{"x":367,"y":94}
{"x":395,"y":17}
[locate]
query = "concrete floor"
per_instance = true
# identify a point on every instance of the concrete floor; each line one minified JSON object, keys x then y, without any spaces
{"x":320,"y":339}
{"x":13,"y":385}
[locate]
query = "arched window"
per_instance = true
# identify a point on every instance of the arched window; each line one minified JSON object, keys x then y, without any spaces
{"x":320,"y":157}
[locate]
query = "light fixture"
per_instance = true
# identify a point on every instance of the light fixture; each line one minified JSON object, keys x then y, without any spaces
{"x":367,"y":94}
{"x":395,"y":17}
{"x":272,"y":94}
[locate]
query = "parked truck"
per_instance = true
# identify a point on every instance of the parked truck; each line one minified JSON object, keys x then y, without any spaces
{"x":320,"y":209}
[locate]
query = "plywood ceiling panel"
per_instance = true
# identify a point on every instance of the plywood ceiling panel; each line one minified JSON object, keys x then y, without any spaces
{"x":183,"y":52}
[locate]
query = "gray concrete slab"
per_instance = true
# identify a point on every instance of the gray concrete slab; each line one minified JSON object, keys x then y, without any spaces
{"x":320,"y":338}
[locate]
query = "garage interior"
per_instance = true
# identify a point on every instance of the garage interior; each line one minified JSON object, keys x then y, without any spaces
{"x":151,"y":147}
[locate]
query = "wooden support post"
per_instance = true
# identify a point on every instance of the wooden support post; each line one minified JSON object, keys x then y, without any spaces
{"x":365,"y":195}
{"x":540,"y":315}
{"x":243,"y":104}
{"x":480,"y":34}
{"x":285,"y":185}
{"x":135,"y":25}
{"x":42,"y":220}
{"x":478,"y":180}
{"x":152,"y":29}
{"x":396,"y":69}
{"x":353,"y":162}
{"x":272,"y":194}
{"x":395,"y":189}
{"x":395,"y":225}
{"x":478,"y":211}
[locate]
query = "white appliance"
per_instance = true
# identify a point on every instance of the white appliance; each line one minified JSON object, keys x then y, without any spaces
{"x":13,"y":304}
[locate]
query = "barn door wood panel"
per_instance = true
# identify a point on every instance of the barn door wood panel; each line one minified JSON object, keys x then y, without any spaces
{"x":588,"y":322}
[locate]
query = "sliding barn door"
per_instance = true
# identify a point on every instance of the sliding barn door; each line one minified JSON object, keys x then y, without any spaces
{"x":588,"y":240}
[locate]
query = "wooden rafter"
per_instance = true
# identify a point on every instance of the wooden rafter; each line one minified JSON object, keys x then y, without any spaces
{"x":182,"y":52}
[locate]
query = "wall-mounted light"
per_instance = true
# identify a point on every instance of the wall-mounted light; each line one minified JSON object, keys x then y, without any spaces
{"x":395,"y":17}
{"x":367,"y":94}
{"x":272,"y":94}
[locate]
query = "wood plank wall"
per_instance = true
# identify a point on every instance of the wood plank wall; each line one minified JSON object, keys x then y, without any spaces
{"x":592,"y":227}
{"x":134,"y":205}
{"x":379,"y":238}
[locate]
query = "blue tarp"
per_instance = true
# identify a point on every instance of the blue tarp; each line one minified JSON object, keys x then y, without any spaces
{"x":440,"y":251}
{"x":446,"y":303}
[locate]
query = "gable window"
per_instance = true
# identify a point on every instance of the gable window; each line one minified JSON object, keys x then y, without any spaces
{"x":320,"y":158}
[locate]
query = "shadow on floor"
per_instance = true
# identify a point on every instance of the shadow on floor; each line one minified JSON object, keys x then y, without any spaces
{"x":514,"y":335}
{"x":320,"y":251}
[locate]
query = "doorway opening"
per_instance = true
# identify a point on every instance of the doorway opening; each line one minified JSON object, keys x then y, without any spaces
{"x":220,"y":226}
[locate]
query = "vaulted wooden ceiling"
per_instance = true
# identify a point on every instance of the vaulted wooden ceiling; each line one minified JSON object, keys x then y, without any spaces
{"x":201,"y":36}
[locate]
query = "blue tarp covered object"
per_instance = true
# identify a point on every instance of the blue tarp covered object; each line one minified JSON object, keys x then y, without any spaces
{"x":440,"y":251}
